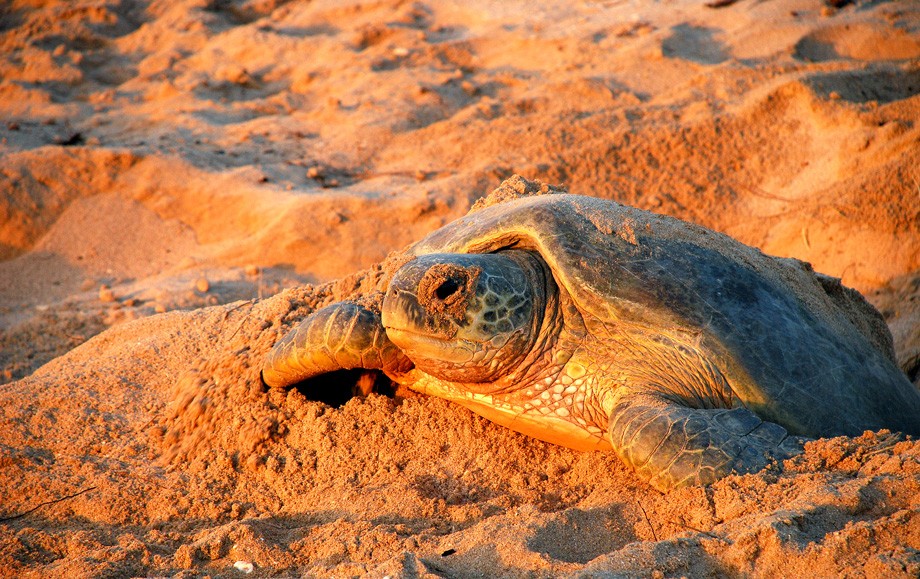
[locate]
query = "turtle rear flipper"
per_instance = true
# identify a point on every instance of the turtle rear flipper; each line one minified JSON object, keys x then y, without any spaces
{"x":674,"y":446}
{"x":342,"y":336}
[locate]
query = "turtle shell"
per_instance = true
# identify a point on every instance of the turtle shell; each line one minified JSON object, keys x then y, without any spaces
{"x":792,"y":351}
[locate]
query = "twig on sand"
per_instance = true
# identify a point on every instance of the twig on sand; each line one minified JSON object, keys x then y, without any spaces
{"x":886,"y":444}
{"x":227,"y":315}
{"x":700,"y":531}
{"x":760,"y":192}
{"x":650,"y":526}
{"x":44,"y":504}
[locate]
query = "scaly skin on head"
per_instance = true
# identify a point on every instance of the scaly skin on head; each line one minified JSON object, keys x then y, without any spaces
{"x":466,"y":318}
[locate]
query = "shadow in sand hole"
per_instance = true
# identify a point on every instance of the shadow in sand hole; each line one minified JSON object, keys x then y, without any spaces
{"x":337,"y":388}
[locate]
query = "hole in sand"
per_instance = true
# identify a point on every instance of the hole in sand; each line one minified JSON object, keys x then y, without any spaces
{"x":882,"y":86}
{"x":337,"y":388}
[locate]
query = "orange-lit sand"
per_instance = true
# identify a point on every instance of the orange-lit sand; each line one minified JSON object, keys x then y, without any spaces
{"x":173,"y":172}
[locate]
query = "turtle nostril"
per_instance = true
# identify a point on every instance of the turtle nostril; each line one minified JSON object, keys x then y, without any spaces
{"x":447,"y":288}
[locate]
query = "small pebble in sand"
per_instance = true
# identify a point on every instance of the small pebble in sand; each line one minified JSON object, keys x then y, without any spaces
{"x":244,"y":566}
{"x":105,"y":294}
{"x":159,"y":308}
{"x":202,"y":284}
{"x":251,"y":270}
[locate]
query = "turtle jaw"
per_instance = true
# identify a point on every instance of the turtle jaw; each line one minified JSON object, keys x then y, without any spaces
{"x":465,"y":317}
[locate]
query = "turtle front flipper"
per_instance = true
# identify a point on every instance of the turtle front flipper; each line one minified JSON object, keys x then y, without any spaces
{"x":342,"y":336}
{"x":673,"y":446}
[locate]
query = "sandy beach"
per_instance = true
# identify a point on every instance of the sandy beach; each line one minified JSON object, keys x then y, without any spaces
{"x":181,"y":182}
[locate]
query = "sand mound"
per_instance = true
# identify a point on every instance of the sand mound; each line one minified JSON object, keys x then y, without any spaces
{"x":163,"y":422}
{"x":173,"y":173}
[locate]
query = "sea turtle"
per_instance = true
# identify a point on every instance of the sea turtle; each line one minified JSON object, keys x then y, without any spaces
{"x":594,"y":325}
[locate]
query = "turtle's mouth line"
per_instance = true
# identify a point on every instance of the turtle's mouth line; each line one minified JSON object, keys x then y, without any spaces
{"x":397,"y":335}
{"x":421,"y":346}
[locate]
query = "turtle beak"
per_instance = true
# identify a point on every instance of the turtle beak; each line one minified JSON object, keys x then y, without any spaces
{"x":401,"y":310}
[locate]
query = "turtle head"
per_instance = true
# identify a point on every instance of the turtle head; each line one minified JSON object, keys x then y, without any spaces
{"x":466,"y":317}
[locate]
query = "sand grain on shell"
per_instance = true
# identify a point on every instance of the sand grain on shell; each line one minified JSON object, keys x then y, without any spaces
{"x":181,"y":182}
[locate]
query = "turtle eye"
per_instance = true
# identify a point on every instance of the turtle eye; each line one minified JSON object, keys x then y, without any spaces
{"x":448,"y":288}
{"x":446,"y":284}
